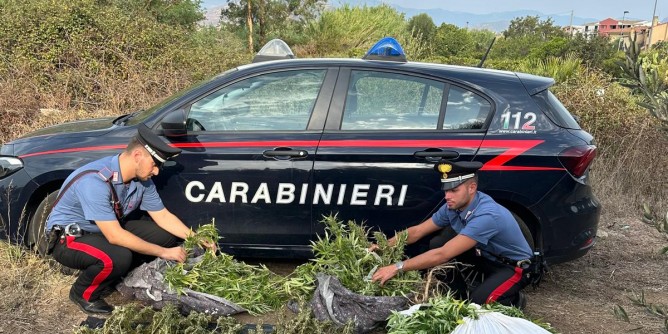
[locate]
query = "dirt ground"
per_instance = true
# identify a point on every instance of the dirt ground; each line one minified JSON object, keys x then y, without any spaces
{"x":576,"y":297}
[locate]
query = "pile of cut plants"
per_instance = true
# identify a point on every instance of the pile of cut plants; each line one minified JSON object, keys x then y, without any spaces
{"x":342,"y":252}
{"x":444,"y":314}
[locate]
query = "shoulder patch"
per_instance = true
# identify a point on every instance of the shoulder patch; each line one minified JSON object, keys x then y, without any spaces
{"x":105,"y":173}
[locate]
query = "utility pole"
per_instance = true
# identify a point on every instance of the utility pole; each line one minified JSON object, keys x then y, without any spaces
{"x":651,"y":27}
{"x":570,"y":24}
{"x":621,"y":31}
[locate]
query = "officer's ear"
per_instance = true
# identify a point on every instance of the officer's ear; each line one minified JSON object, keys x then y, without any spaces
{"x":137,"y":154}
{"x":472,"y":185}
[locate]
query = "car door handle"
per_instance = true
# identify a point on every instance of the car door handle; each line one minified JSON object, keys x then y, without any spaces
{"x":435,"y":155}
{"x":285,"y":153}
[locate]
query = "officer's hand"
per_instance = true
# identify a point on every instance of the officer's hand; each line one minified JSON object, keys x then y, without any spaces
{"x":384,"y":274}
{"x":209,"y":245}
{"x":175,"y":254}
{"x":373,"y":248}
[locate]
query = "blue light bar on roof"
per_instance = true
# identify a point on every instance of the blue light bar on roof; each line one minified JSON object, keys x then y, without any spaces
{"x":386,"y":49}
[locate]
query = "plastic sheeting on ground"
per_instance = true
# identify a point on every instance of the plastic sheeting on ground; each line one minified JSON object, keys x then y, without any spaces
{"x":146,"y":283}
{"x":489,"y":322}
{"x":333,"y":302}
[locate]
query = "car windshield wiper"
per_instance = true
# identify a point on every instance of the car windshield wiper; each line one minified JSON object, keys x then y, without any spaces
{"x":123,"y":119}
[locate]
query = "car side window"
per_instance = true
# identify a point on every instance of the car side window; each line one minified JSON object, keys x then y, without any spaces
{"x":275,"y":101}
{"x":465,"y":110}
{"x":382,"y":101}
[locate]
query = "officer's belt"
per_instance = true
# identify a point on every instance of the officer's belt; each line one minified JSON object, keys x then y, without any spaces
{"x":524,"y":264}
{"x":73,"y":230}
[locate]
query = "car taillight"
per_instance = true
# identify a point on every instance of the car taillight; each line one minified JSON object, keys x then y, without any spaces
{"x":577,"y":159}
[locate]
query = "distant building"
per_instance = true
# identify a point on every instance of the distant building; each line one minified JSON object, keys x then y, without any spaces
{"x":659,"y":32}
{"x":574,"y":29}
{"x":590,"y":29}
{"x":619,"y":31}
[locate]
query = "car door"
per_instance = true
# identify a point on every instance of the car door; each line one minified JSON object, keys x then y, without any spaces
{"x":247,"y":156}
{"x":384,"y":132}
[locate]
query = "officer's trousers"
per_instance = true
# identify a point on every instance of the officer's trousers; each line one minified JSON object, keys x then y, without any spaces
{"x":103,"y":264}
{"x":479,"y":279}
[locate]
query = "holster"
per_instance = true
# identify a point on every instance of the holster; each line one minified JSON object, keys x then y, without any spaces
{"x":53,"y":237}
{"x":537,"y":269}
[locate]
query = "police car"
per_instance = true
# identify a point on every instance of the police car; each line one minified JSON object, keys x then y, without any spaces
{"x":271,"y":147}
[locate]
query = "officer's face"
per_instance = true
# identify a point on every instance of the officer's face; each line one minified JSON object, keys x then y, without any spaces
{"x":146,"y":166}
{"x":459,"y":197}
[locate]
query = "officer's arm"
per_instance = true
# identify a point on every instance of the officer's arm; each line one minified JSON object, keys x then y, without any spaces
{"x":170,"y":223}
{"x":432,"y":258}
{"x":417,"y":232}
{"x":443,"y":254}
{"x":116,"y":235}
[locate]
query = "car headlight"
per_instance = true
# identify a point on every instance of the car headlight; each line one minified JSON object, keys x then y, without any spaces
{"x":9,"y":165}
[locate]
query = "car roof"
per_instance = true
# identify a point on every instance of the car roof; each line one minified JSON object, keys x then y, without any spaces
{"x":532,"y":83}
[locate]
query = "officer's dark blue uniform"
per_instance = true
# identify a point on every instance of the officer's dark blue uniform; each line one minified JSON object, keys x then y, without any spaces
{"x":474,"y":230}
{"x":501,"y":250}
{"x":97,"y":192}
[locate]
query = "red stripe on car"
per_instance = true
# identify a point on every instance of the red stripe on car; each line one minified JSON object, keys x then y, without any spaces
{"x":513,"y":148}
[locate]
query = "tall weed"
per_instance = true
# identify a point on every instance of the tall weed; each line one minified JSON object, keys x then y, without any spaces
{"x":558,"y":68}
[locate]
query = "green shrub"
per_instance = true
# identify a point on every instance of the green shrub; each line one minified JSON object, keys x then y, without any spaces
{"x":353,"y":28}
{"x":558,"y":68}
{"x":94,"y":55}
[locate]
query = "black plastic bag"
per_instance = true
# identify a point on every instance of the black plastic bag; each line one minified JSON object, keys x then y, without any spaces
{"x":333,"y":302}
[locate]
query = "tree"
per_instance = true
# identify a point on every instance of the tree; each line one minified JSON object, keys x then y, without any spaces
{"x":595,"y":51}
{"x":533,"y":27}
{"x":258,"y":19}
{"x":184,"y":13}
{"x":555,"y":47}
{"x":451,"y":40}
{"x":350,"y":31}
{"x":422,"y":26}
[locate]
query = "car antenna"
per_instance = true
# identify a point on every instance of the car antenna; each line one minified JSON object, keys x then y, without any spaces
{"x":482,"y":61}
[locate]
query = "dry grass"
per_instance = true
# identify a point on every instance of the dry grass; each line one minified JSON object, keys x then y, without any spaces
{"x":29,"y":290}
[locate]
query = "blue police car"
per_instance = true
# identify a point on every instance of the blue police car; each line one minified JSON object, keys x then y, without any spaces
{"x":271,"y":147}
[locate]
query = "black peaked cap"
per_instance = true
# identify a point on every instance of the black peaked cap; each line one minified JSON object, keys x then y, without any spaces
{"x":159,"y":150}
{"x":454,"y":173}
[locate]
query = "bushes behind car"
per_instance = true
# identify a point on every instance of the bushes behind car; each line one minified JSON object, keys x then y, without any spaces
{"x":92,"y":55}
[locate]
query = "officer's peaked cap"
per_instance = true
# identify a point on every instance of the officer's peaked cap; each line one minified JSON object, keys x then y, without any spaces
{"x":159,"y":150}
{"x":454,"y":173}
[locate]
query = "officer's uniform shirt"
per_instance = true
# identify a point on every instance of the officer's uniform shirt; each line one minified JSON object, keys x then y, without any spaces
{"x":488,"y":223}
{"x":89,"y":198}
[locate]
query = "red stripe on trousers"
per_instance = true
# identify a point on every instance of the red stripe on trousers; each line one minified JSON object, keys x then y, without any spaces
{"x":98,"y":254}
{"x":505,"y":286}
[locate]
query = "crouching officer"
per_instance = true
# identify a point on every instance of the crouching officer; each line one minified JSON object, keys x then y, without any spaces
{"x":484,"y":234}
{"x":89,"y":212}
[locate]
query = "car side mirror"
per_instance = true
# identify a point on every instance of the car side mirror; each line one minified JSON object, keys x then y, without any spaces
{"x":174,"y":124}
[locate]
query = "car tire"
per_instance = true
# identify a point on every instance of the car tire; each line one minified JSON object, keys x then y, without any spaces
{"x":526,"y":232}
{"x":36,"y":236}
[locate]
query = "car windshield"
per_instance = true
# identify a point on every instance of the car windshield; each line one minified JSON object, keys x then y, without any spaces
{"x":144,"y":114}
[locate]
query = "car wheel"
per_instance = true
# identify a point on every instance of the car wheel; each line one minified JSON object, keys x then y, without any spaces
{"x":525,"y":231}
{"x":36,"y":236}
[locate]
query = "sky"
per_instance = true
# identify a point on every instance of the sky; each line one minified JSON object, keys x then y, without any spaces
{"x":599,"y":9}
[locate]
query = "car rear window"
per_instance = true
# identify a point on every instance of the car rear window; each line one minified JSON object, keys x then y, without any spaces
{"x":555,"y":111}
{"x":465,"y":110}
{"x":391,"y":101}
